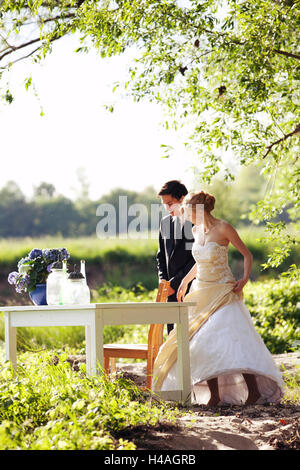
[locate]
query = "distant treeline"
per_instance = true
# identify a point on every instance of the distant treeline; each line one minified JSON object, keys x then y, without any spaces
{"x":49,"y":213}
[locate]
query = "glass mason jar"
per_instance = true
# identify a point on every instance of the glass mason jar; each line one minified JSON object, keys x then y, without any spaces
{"x":76,"y":292}
{"x":54,"y":286}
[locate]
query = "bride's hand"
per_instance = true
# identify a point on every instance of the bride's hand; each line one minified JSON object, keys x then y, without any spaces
{"x":239,"y":285}
{"x":181,"y":291}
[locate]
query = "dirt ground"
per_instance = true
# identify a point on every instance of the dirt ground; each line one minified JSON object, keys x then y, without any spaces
{"x":227,"y":427}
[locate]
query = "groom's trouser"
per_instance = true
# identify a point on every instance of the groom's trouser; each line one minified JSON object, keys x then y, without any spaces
{"x":171,"y":298}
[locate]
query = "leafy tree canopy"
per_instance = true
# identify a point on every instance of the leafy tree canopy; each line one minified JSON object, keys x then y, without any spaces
{"x":226,"y":71}
{"x":44,"y":190}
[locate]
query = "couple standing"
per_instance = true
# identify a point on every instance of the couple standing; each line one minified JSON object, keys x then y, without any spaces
{"x":229,"y":360}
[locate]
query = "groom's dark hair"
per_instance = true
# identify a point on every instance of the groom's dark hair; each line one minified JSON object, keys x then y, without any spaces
{"x":175,"y":188}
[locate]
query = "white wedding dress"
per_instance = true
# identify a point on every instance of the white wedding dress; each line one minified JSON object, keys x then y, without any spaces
{"x":227,"y":343}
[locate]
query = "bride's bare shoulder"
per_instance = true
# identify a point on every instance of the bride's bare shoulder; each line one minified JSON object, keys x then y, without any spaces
{"x":225,"y":226}
{"x":223,"y":223}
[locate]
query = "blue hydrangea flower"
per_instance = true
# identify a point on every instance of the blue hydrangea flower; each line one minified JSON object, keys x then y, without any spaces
{"x":50,"y":255}
{"x":49,"y":267}
{"x":22,"y":283}
{"x":46,"y":253}
{"x":35,"y":253}
{"x":64,"y":254}
{"x":20,"y":287}
{"x":23,"y":260}
{"x":13,"y":277}
{"x":55,"y":254}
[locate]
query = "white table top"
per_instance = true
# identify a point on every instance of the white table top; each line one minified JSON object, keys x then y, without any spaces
{"x":103,"y":305}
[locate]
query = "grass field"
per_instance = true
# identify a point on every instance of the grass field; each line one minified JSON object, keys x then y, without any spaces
{"x":90,"y":248}
{"x":125,"y":261}
{"x":93,"y":247}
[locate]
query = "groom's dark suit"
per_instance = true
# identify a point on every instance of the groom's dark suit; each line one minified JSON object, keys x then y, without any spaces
{"x":174,"y":256}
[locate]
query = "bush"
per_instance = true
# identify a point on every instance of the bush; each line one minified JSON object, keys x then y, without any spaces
{"x":52,"y":407}
{"x":273,"y":307}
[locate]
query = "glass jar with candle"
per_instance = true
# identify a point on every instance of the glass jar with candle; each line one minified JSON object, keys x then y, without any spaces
{"x":54,"y":285}
{"x":76,"y":291}
{"x":82,"y":268}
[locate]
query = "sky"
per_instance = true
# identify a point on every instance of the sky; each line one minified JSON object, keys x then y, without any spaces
{"x":77,"y":133}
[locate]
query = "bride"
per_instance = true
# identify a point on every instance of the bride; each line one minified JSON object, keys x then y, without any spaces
{"x":229,"y":360}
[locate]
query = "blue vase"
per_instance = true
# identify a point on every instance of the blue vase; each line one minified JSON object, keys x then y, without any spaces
{"x":38,"y":295}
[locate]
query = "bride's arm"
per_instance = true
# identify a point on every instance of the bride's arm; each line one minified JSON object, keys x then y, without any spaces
{"x":185,"y":282}
{"x":233,"y":237}
{"x":190,"y":275}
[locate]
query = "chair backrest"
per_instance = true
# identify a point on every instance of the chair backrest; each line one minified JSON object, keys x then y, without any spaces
{"x":162,"y":292}
{"x":155,"y":338}
{"x":155,"y":335}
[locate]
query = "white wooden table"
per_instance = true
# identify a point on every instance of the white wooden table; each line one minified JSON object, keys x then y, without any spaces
{"x":94,"y":316}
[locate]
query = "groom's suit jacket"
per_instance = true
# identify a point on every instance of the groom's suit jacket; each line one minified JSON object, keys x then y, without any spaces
{"x":174,"y":256}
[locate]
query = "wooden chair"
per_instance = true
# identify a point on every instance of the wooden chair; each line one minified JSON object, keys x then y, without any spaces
{"x":139,"y":351}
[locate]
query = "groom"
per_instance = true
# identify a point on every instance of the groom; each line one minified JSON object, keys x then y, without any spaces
{"x":174,"y":256}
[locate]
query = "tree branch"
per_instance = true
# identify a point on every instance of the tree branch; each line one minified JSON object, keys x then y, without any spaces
{"x":287,"y":54}
{"x":10,"y":48}
{"x":15,"y":48}
{"x":55,"y":38}
{"x":294,"y":132}
{"x":24,"y":56}
{"x":47,"y":20}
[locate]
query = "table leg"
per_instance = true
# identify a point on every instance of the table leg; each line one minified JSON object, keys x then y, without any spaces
{"x":183,"y":358}
{"x":10,"y":341}
{"x":88,"y":349}
{"x":96,"y":351}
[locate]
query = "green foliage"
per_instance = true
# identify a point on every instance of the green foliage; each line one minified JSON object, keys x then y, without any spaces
{"x":292,"y":381}
{"x":273,"y":307}
{"x":51,"y":407}
{"x":111,"y":293}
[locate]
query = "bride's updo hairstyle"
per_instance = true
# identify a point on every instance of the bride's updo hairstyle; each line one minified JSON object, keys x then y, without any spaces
{"x":200,"y":198}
